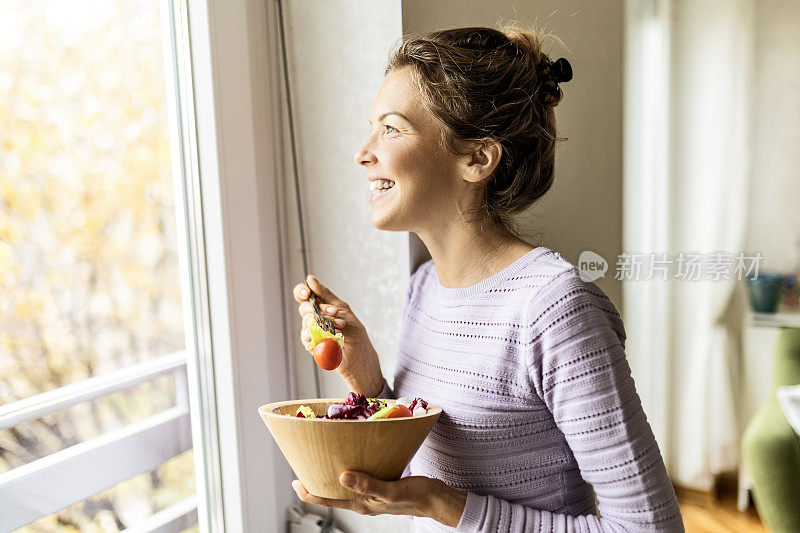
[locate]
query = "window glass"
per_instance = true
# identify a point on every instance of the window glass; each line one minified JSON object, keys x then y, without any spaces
{"x":89,"y":271}
{"x":89,"y":276}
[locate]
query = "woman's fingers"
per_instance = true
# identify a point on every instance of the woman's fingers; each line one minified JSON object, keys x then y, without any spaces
{"x":324,"y":292}
{"x":330,"y":305}
{"x":350,"y":505}
{"x":338,"y":322}
{"x":328,"y":311}
{"x":300,"y":292}
{"x":305,"y":334}
{"x":305,"y":308}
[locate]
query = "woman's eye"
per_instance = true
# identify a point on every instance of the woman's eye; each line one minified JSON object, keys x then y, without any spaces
{"x":390,"y":128}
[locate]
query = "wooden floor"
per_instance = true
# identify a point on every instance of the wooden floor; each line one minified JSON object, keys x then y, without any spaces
{"x":706,"y":515}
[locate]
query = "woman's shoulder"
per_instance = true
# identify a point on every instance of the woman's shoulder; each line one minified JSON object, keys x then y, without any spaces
{"x":565,"y":296}
{"x":545,"y":273}
{"x":549,"y":274}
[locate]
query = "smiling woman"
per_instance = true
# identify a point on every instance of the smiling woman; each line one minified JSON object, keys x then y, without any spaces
{"x":542,"y":428}
{"x":409,"y":179}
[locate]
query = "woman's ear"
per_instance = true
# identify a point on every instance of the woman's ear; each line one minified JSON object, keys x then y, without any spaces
{"x":481,"y":162}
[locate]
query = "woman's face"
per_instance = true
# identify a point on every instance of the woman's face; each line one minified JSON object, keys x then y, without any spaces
{"x":403,"y":147}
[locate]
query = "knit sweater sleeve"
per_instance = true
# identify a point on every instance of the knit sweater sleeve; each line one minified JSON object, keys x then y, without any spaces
{"x":387,"y":392}
{"x":576,"y":363}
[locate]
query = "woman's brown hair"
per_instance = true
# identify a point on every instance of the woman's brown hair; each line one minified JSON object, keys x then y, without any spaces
{"x":485,"y":83}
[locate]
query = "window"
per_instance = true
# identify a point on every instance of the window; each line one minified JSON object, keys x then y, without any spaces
{"x":94,"y":423}
{"x":219,"y":148}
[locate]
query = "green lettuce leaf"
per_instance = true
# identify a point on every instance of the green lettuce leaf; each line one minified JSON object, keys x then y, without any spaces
{"x":306,"y":411}
{"x":382,"y":413}
{"x":317,"y":334}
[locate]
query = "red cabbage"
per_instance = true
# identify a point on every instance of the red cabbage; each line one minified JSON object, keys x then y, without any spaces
{"x":356,"y":399}
{"x":347,"y":411}
{"x":421,"y":402}
{"x":356,"y":407}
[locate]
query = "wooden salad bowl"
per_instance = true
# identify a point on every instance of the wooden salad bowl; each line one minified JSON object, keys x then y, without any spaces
{"x":319,"y":450}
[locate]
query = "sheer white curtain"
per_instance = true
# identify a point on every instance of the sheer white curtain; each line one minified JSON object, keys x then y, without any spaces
{"x":687,"y":172}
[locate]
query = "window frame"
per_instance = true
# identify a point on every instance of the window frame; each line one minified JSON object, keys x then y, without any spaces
{"x":236,"y":91}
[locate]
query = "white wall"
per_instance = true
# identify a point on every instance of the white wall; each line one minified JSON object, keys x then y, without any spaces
{"x":337,"y":53}
{"x":583,"y":210}
{"x":775,"y":185}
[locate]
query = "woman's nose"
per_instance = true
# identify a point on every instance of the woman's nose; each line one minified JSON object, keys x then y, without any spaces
{"x":364,"y":155}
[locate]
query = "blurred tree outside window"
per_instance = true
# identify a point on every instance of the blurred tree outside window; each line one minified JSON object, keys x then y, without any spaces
{"x":89,"y":271}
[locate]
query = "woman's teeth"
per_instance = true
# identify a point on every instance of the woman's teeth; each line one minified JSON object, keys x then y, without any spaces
{"x":379,"y":185}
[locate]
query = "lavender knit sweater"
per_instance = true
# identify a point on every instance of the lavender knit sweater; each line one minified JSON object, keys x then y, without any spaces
{"x":538,"y":404}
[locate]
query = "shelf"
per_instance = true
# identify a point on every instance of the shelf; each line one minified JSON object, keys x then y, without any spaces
{"x":776,"y":320}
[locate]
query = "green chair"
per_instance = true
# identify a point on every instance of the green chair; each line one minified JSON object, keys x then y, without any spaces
{"x":771,"y":448}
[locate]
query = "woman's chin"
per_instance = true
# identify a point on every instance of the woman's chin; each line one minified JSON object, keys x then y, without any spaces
{"x":384,"y":222}
{"x":379,"y":222}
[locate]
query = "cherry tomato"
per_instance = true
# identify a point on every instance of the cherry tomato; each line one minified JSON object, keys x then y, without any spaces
{"x":398,"y":411}
{"x":327,"y":353}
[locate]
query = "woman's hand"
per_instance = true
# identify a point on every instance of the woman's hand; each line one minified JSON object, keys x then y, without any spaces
{"x":360,"y":366}
{"x":413,"y":496}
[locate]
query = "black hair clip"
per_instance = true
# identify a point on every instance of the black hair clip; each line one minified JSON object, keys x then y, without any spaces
{"x":561,"y":70}
{"x":555,"y":72}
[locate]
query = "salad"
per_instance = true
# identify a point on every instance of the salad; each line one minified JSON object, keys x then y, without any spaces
{"x":359,"y":407}
{"x":324,"y":346}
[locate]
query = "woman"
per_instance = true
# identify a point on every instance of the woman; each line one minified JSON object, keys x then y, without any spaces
{"x":540,"y":414}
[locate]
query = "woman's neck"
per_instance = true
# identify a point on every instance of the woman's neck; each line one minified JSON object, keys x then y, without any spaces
{"x":464,"y":255}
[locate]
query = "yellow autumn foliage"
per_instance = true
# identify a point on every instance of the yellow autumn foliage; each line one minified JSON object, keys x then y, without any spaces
{"x":89,"y":277}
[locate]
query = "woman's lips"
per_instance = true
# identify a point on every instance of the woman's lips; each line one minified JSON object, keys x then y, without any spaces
{"x":377,"y":195}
